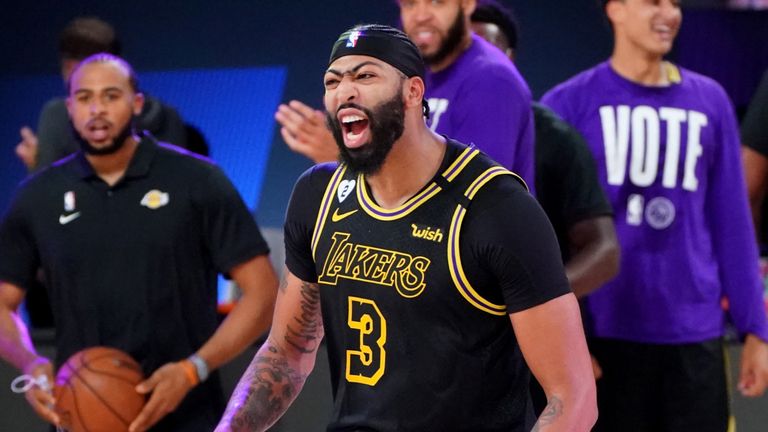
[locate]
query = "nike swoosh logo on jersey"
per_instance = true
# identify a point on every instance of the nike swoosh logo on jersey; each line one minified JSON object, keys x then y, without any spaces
{"x":65,"y":219}
{"x":336,"y":217}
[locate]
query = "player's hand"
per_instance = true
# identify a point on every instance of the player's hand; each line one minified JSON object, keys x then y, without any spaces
{"x":753,"y":377}
{"x":596,"y":369}
{"x":168,"y":386}
{"x":305,"y":132}
{"x":26,"y":149}
{"x":41,"y":399}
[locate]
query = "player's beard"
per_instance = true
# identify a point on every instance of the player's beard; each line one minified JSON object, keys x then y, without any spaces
{"x":452,"y":41}
{"x":117,"y":143}
{"x":386,"y":122}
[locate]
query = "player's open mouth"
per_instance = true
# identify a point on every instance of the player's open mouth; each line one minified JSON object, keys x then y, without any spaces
{"x":354,"y":127}
{"x":98,"y":130}
{"x":423,"y":36}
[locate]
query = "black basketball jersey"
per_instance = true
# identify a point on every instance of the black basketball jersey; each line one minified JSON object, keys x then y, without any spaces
{"x":413,"y":344}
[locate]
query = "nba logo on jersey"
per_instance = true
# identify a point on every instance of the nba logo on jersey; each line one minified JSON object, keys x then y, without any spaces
{"x":352,"y":40}
{"x":69,"y":201}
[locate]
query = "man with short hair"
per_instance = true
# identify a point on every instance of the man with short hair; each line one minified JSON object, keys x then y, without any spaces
{"x":433,"y":273}
{"x":475,"y":94}
{"x":667,"y":147}
{"x":131,"y":235}
{"x":82,"y":37}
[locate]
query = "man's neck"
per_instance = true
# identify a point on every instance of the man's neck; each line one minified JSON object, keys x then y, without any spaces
{"x":640,"y":67}
{"x":112,"y":167}
{"x":413,"y":161}
{"x":466,"y":42}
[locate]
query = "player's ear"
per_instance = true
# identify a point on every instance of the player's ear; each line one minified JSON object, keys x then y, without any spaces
{"x":414,"y":92}
{"x":138,"y":103}
{"x":615,"y":11}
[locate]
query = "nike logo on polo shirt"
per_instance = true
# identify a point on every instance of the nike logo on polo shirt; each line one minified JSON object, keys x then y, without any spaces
{"x":336,"y":217}
{"x":65,"y":219}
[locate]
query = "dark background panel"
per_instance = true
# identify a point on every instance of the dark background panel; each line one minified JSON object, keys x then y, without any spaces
{"x":559,"y":37}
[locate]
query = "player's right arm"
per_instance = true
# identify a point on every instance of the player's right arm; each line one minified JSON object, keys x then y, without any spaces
{"x":281,"y":366}
{"x":16,"y":348}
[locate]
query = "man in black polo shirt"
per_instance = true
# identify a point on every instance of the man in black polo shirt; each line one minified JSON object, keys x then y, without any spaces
{"x":131,"y":235}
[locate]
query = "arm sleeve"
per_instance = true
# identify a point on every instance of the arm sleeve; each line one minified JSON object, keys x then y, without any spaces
{"x":300,"y":221}
{"x":19,"y":259}
{"x":754,"y":128}
{"x":511,"y":237}
{"x":731,"y":228}
{"x":231,"y":232}
{"x":504,"y":128}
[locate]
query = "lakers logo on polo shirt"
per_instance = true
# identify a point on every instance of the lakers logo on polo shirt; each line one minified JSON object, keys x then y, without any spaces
{"x":155,"y":199}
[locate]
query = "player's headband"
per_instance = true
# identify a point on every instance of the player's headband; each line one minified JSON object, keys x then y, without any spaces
{"x":385,"y":43}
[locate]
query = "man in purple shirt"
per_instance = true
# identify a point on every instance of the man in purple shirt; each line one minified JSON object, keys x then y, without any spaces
{"x":667,"y":148}
{"x":475,"y":93}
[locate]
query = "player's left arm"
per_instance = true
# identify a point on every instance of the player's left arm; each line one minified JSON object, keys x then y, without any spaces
{"x":552,"y":341}
{"x":523,"y":255}
{"x":735,"y":248}
{"x":229,"y":231}
{"x":249,"y":319}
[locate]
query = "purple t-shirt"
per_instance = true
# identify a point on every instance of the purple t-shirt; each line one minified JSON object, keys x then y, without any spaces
{"x":482,"y":99}
{"x":669,"y":160}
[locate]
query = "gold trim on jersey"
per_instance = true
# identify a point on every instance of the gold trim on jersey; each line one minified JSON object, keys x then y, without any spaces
{"x":380,"y":213}
{"x":460,"y":279}
{"x":458,"y":165}
{"x":325,"y":206}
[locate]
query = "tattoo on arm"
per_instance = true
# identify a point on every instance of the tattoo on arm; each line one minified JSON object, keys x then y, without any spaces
{"x":552,"y":411}
{"x":302,"y":333}
{"x":265,"y":391}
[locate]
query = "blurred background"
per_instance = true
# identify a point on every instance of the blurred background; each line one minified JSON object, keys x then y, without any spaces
{"x":226,"y":65}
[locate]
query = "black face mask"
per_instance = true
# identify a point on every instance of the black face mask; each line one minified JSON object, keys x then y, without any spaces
{"x":386,"y":122}
{"x":117,"y":143}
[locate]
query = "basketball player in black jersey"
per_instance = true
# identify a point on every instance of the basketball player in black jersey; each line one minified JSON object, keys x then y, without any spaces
{"x":430,"y":269}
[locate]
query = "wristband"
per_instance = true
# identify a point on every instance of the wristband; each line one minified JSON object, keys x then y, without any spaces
{"x":190,"y":372}
{"x":201,"y":366}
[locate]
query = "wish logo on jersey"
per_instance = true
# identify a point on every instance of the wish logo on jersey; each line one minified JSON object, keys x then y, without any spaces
{"x":427,"y":233}
{"x":405,"y":272}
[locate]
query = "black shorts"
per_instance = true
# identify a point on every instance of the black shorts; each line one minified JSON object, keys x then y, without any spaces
{"x":653,"y":387}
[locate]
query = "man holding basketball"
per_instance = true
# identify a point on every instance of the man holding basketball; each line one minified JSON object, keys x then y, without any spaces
{"x":131,"y":235}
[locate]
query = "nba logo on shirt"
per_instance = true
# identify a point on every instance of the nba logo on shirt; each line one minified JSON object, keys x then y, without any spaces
{"x":635,"y":205}
{"x":352,"y":40}
{"x":69,"y":201}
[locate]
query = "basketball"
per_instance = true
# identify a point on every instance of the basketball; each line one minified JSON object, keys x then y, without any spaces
{"x":95,"y":391}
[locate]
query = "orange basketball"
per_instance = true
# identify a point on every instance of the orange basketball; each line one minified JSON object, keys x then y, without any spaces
{"x":95,"y":391}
